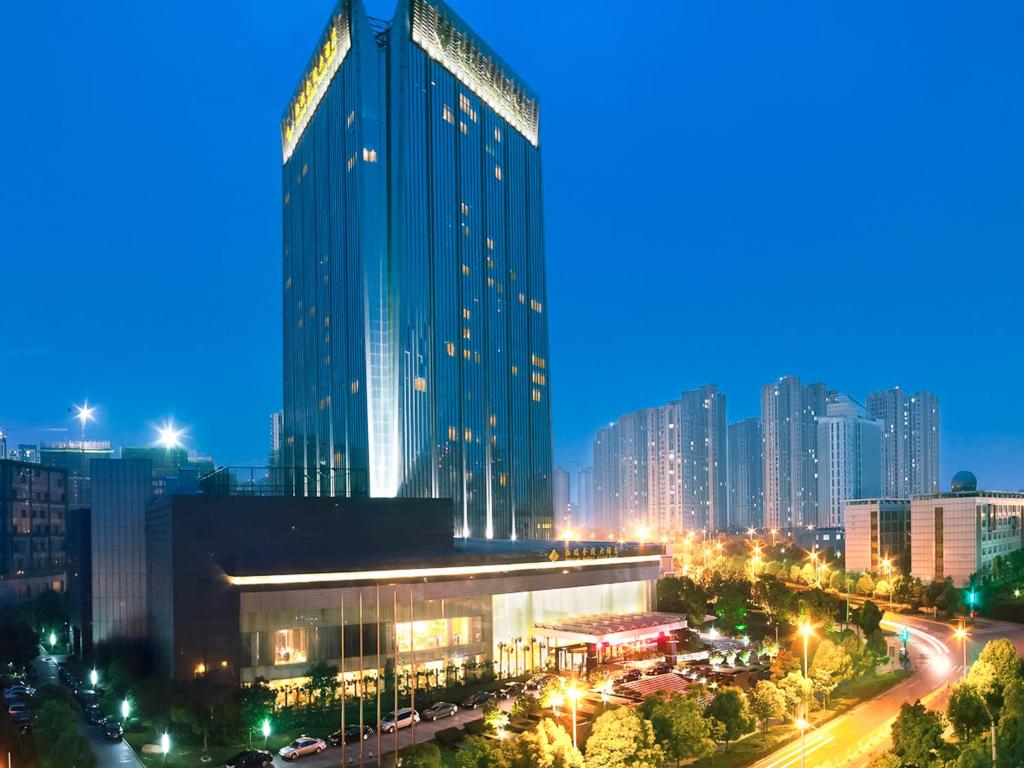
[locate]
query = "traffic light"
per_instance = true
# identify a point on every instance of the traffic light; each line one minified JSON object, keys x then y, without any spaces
{"x":905,"y":636}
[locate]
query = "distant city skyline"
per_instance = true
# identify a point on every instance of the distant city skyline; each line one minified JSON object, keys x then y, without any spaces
{"x":809,"y":158}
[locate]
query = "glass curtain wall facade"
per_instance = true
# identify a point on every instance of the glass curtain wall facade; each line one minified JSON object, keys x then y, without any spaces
{"x":415,"y":322}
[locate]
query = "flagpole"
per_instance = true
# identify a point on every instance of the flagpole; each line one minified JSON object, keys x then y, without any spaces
{"x":377,"y":686}
{"x":344,"y":682}
{"x":412,"y":665}
{"x":395,"y":666}
{"x":361,"y":685}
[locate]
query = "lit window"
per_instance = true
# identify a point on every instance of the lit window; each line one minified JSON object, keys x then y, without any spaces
{"x":522,"y":298}
{"x":453,"y":433}
{"x":468,"y":435}
{"x":502,"y":479}
{"x":369,"y":155}
{"x":538,"y":361}
{"x":536,"y":395}
{"x":465,"y":230}
{"x":493,"y":420}
{"x":290,"y":646}
{"x":305,"y":168}
{"x":462,"y":127}
{"x":465,"y":333}
{"x":466,"y":354}
{"x":352,"y":162}
{"x":515,"y":370}
{"x":536,"y":306}
{"x":497,"y":172}
{"x":446,"y":114}
{"x":419,"y":384}
{"x":497,"y":134}
{"x":465,"y":313}
{"x":538,"y":378}
{"x":490,"y":263}
{"x":350,"y":119}
{"x":354,"y":386}
{"x":490,"y":282}
{"x":450,"y":347}
{"x":465,"y":269}
{"x":464,"y":208}
{"x":490,"y":244}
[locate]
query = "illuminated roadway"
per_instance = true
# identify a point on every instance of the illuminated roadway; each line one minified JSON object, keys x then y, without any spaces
{"x":853,"y":738}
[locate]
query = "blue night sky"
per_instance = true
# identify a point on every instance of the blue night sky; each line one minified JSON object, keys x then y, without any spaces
{"x":734,"y":191}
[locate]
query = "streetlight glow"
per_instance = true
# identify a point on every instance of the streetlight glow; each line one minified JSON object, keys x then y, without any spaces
{"x":85,"y":413}
{"x":643,"y":533}
{"x":169,"y":435}
{"x":53,"y":640}
{"x":126,"y":709}
{"x":165,"y":743}
{"x":94,"y":677}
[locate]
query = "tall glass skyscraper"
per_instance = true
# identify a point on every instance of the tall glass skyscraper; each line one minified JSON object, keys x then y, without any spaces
{"x":415,"y":327}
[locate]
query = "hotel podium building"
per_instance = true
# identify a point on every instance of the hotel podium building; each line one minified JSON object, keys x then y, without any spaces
{"x":415,"y":311}
{"x":246,"y":587}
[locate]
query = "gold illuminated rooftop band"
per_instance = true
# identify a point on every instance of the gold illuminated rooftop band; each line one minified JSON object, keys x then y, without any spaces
{"x":423,"y":573}
{"x":334,"y":46}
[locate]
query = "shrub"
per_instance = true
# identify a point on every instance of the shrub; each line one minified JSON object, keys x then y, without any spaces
{"x":476,"y":727}
{"x":449,"y":737}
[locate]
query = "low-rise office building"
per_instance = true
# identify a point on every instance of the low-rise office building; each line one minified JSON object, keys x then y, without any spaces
{"x":265,"y":587}
{"x":877,"y":530}
{"x":33,"y":506}
{"x":958,"y":534}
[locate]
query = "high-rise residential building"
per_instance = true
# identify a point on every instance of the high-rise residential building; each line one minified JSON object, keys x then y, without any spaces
{"x":877,"y":530}
{"x":607,"y":493}
{"x":746,"y":474}
{"x":702,"y":447}
{"x":664,"y":469}
{"x":25,"y":452}
{"x":584,"y":503}
{"x":789,"y":412}
{"x":33,"y":506}
{"x":3,"y":444}
{"x":561,"y":493}
{"x":958,"y":534}
{"x":276,"y":435}
{"x":415,"y":311}
{"x":75,"y":456}
{"x":849,"y":456}
{"x":910,"y":441}
{"x":121,"y":491}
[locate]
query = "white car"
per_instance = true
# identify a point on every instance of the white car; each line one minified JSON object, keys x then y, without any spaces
{"x":304,"y":745}
{"x":402,"y":719}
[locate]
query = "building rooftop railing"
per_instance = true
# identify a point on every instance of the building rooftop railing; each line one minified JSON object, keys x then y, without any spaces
{"x":285,"y":481}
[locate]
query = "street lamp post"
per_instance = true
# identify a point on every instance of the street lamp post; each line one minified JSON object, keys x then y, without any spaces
{"x":574,"y":695}
{"x":802,"y":725}
{"x":94,"y":677}
{"x":961,"y":635}
{"x":265,"y":728}
{"x":806,"y":630}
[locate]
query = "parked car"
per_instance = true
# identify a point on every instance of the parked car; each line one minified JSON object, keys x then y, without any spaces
{"x":629,"y":676}
{"x":661,"y":668}
{"x":94,"y":714}
{"x":439,"y":710}
{"x":352,"y":734}
{"x":477,"y":700}
{"x":112,"y":729}
{"x":250,"y":758}
{"x":14,"y":707}
{"x":403,"y":718}
{"x":536,"y":682}
{"x":304,"y":745}
{"x":86,"y":695}
{"x":511,"y":690}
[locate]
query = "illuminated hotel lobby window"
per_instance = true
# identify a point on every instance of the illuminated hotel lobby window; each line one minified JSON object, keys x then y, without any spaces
{"x":440,"y":633}
{"x":290,"y":646}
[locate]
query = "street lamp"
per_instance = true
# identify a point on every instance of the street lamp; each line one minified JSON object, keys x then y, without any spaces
{"x":94,"y":677}
{"x":265,"y":729}
{"x":574,"y":694}
{"x":806,"y":630}
{"x":165,"y":745}
{"x":556,"y":701}
{"x":887,"y":568}
{"x":53,"y":640}
{"x":803,"y":725}
{"x":126,"y":710}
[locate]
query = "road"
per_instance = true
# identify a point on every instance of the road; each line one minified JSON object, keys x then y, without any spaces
{"x":854,"y":738}
{"x":108,"y":754}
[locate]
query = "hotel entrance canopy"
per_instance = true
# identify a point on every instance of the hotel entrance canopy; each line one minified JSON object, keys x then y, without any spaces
{"x":611,"y":628}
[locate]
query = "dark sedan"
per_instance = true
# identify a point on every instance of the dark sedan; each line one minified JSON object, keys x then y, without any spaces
{"x":351,"y":735}
{"x":477,"y":700}
{"x":112,"y":729}
{"x":250,"y":758}
{"x":439,"y":710}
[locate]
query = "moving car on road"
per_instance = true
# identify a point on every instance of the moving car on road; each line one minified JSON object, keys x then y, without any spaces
{"x":250,"y":758}
{"x":304,"y":745}
{"x":439,"y":710}
{"x":94,"y":714}
{"x":351,"y":734}
{"x":403,"y":718}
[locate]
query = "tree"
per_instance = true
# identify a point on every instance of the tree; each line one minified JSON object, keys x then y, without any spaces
{"x":1010,"y":733}
{"x":51,"y":609}
{"x":495,"y":717}
{"x":547,"y":746}
{"x":679,"y":594}
{"x":425,"y":755}
{"x":767,"y":702}
{"x":679,"y":725}
{"x":875,"y":647}
{"x":917,"y":736}
{"x":621,"y":739}
{"x":966,"y":711}
{"x":785,"y":662}
{"x":1006,"y":664}
{"x":57,"y":740}
{"x":974,"y":755}
{"x":550,"y":692}
{"x":730,"y":708}
{"x":525,"y":706}
{"x":863,"y":662}
{"x":807,"y":574}
{"x":882,"y":587}
{"x":480,"y":752}
{"x":19,"y":644}
{"x":797,"y":690}
{"x":869,"y":618}
{"x":831,"y":666}
{"x":731,"y":606}
{"x":322,"y":683}
{"x":774,"y":596}
{"x":865,"y":584}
